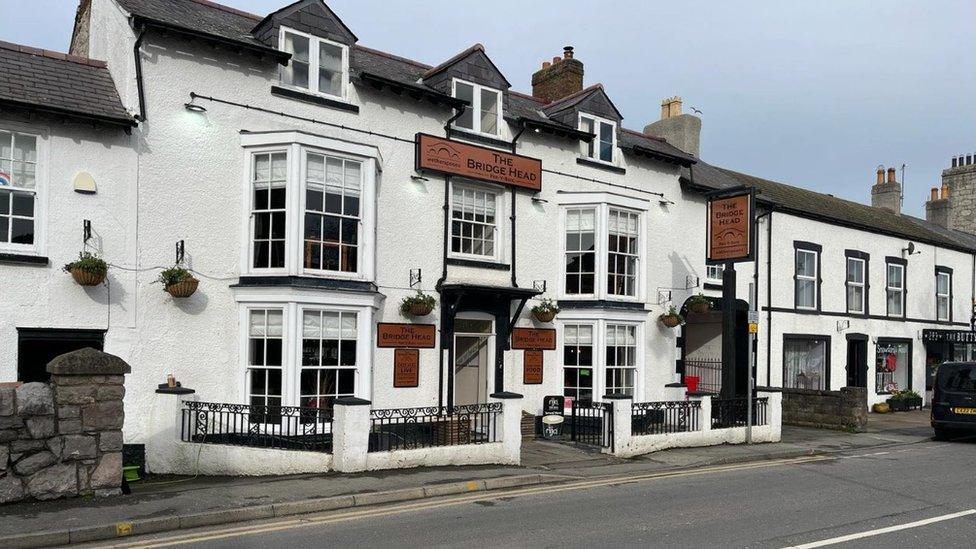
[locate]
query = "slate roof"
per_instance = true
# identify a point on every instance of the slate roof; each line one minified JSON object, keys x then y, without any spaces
{"x":811,"y":204}
{"x":56,"y":82}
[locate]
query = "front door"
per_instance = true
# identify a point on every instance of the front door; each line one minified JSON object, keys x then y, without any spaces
{"x":857,"y":363}
{"x":474,"y":340}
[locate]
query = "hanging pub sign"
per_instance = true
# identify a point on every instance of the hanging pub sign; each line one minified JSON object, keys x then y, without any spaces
{"x":406,"y":367}
{"x":532,"y":367}
{"x":730,"y":223}
{"x":455,"y":158}
{"x":534,"y":339}
{"x":417,"y":336}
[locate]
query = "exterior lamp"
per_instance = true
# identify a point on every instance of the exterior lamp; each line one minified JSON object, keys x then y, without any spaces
{"x":194,"y":108}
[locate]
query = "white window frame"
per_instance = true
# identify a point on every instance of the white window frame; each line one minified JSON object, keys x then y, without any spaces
{"x":813,"y":278}
{"x":900,"y":290}
{"x":606,"y":345}
{"x":602,"y":203}
{"x":313,"y":64}
{"x":297,"y":144}
{"x":498,"y":255}
{"x":361,"y":349}
{"x":249,"y":209}
{"x":476,"y":108}
{"x":600,"y":320}
{"x":564,"y":214}
{"x":850,"y":284}
{"x":947,"y":297}
{"x":585,"y":147}
{"x":561,"y":350}
{"x":637,"y":257}
{"x":245,"y":323}
{"x":303,"y":181}
{"x":39,"y":247}
{"x":711,"y":270}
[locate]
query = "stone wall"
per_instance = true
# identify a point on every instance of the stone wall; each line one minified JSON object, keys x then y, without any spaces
{"x":845,"y":409}
{"x":64,"y":439}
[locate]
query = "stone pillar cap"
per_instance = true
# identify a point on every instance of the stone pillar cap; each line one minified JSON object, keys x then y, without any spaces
{"x":87,"y":361}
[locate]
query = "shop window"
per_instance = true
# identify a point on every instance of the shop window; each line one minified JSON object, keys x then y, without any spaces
{"x":474,"y":225}
{"x":329,"y":347}
{"x":580,"y":251}
{"x":893,"y":362}
{"x":18,"y":191}
{"x":895,"y":289}
{"x":856,"y":283}
{"x":484,"y":113}
{"x":269,"y":175}
{"x":943,"y":294}
{"x":807,"y":262}
{"x":602,"y":146}
{"x":621,"y":364}
{"x":264,"y":361}
{"x":317,"y":65}
{"x":578,"y":362}
{"x":333,"y":187}
{"x":38,"y":346}
{"x":806,"y":362}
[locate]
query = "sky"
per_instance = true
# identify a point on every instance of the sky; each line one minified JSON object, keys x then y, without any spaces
{"x":814,"y":93}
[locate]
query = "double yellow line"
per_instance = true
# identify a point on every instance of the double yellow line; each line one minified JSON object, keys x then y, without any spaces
{"x":423,"y":505}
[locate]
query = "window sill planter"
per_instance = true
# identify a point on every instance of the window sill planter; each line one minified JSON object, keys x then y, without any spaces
{"x":183,"y":288}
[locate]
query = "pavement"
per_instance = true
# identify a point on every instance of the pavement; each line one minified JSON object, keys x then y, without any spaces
{"x":160,"y":504}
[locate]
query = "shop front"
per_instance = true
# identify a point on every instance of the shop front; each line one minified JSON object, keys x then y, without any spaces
{"x":893,"y":365}
{"x":945,"y":346}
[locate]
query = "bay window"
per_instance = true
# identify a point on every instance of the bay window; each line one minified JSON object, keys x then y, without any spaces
{"x":621,"y":364}
{"x":602,"y":251}
{"x":600,"y":355}
{"x":603,"y":145}
{"x":264,"y":358}
{"x":895,"y":288}
{"x":268,"y":183}
{"x":333,"y":187}
{"x":943,"y":293}
{"x":578,"y":362}
{"x":474,"y":223}
{"x":317,"y":65}
{"x":806,"y":362}
{"x":18,"y":190}
{"x":329,"y":350}
{"x":484,"y":113}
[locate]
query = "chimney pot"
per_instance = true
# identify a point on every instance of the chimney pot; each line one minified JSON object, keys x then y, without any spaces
{"x":546,"y":64}
{"x":945,"y":191}
{"x":556,"y":60}
{"x":891,"y":175}
{"x":568,"y":52}
{"x":934,"y":194}
{"x":969,"y":159}
{"x":880,"y":176}
{"x":954,"y":161}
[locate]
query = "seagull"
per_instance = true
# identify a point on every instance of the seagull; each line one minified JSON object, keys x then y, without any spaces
{"x":696,"y":111}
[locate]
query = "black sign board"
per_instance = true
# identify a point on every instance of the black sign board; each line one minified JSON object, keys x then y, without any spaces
{"x":948,"y":336}
{"x":552,"y":404}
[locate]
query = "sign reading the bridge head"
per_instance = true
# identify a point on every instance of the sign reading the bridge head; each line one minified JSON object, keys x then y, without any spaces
{"x":730,"y":228}
{"x":456,"y":158}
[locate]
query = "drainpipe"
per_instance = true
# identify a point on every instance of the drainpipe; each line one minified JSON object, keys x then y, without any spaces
{"x":754,"y":298}
{"x":141,"y":116}
{"x":512,"y":218}
{"x":769,"y":299}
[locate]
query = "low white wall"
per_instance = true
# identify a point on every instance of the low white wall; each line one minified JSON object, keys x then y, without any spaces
{"x":645,"y":444}
{"x":186,"y":458}
{"x":466,"y":454}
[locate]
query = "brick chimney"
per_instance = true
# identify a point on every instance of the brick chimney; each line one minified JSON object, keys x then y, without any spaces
{"x":937,"y":208}
{"x":681,"y":130}
{"x":886,"y":194}
{"x":560,"y":78}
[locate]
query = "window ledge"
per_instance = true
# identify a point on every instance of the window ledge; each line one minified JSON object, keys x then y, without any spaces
{"x":478,"y":264}
{"x":600,"y":165}
{"x":711,"y":286}
{"x":305,"y":282}
{"x":601,"y":304}
{"x":23,"y":259}
{"x":480,"y":138}
{"x":314,"y":99}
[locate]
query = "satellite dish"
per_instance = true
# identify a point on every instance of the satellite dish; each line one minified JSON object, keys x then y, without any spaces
{"x":911,"y":248}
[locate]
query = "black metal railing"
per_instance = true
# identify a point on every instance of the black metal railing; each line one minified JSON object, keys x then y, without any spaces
{"x":278,"y":427}
{"x":656,"y":418}
{"x":592,"y":423}
{"x":731,"y":412}
{"x":708,"y":372}
{"x":410,"y":428}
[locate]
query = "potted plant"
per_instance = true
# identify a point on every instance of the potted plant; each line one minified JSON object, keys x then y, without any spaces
{"x":910,"y":399}
{"x":898,"y":401}
{"x":419,"y":304}
{"x":88,"y":269}
{"x":699,"y":304}
{"x":671,"y":318}
{"x":178,"y":282}
{"x":545,"y":311}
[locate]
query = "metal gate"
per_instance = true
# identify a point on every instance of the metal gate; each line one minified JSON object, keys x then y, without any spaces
{"x":592,"y":424}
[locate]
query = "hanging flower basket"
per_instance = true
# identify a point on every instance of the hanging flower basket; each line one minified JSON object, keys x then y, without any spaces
{"x":183,"y":288}
{"x":699,"y":304}
{"x":671,"y":319}
{"x":88,"y":269}
{"x":419,"y":304}
{"x":178,"y":281}
{"x":545,"y":311}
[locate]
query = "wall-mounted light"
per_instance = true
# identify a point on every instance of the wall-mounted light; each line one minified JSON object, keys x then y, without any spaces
{"x":537,"y":200}
{"x":419,"y":178}
{"x":193,"y":107}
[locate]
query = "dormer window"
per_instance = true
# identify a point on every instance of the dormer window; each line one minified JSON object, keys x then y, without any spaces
{"x":603,"y":145}
{"x":484,"y":115}
{"x":317,"y":65}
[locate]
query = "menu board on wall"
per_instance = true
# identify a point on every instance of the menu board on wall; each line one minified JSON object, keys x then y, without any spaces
{"x":534,"y":339}
{"x":532,"y":367}
{"x":406,"y":367}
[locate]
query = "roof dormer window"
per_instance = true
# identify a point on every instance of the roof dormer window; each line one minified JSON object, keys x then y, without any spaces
{"x":603,"y":145}
{"x":317,"y":65}
{"x":484,"y":115}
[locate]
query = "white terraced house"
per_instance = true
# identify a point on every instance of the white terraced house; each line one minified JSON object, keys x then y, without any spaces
{"x":312,"y":184}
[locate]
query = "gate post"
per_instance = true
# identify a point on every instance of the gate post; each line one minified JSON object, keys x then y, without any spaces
{"x":350,"y":434}
{"x":510,"y":430}
{"x":706,"y":412}
{"x":622,"y":424}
